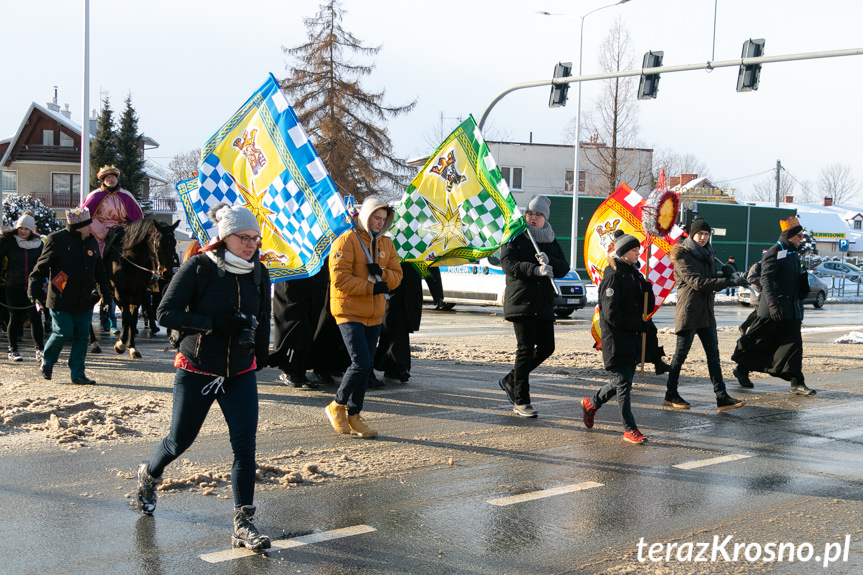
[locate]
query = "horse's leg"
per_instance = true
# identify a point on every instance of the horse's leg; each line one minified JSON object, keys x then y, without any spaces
{"x":94,"y":343}
{"x":120,"y":345}
{"x":133,"y":321}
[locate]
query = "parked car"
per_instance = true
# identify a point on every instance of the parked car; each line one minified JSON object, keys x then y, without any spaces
{"x":852,"y":272}
{"x":817,"y":293}
{"x":483,"y":283}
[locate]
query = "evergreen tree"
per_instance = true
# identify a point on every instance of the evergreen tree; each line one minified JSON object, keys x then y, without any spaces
{"x":46,"y":221}
{"x":345,"y":123}
{"x":103,"y":146}
{"x":130,"y":154}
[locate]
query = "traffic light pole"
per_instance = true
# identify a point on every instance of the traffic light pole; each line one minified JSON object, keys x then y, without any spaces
{"x":647,"y":71}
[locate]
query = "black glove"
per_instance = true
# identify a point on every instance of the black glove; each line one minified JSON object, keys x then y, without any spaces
{"x":775,"y":313}
{"x":229,"y":324}
{"x":728,"y":270}
{"x":739,"y":282}
{"x":261,"y":361}
{"x":379,"y":288}
{"x":375,"y":269}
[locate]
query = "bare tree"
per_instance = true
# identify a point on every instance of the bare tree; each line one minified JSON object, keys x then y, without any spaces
{"x":181,"y":167}
{"x":345,"y":123}
{"x":764,"y":190}
{"x":675,"y":164}
{"x":612,"y":123}
{"x":837,"y":181}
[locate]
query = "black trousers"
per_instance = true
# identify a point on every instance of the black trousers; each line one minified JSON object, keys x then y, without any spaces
{"x":17,"y":299}
{"x":535,"y":339}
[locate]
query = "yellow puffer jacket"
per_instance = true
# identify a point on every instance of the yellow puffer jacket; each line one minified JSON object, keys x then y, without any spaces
{"x":351,"y":286}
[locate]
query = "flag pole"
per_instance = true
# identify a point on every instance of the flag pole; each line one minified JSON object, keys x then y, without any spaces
{"x":536,"y":247}
{"x":644,"y":315}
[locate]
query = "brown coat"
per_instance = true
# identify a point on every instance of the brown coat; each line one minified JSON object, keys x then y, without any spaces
{"x":351,"y":286}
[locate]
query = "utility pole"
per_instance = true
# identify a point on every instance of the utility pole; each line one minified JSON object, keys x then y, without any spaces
{"x":778,"y":170}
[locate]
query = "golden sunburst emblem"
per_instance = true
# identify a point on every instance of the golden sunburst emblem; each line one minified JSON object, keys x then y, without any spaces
{"x":448,"y":227}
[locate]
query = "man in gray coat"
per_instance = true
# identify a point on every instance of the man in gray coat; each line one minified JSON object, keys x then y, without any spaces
{"x":697,"y":284}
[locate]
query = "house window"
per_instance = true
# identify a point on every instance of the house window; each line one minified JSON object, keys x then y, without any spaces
{"x":47,"y":137}
{"x":582,"y":177}
{"x":9,"y":182}
{"x":65,"y":190}
{"x":568,"y":181}
{"x":512,"y":177}
{"x":66,"y":140}
{"x":858,"y":224}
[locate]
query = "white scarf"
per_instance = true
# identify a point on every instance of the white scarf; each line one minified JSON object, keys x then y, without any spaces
{"x":232,"y":263}
{"x":28,"y":244}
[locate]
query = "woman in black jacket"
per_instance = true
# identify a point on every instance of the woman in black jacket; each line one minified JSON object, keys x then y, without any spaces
{"x":21,"y":247}
{"x":529,"y":300}
{"x":219,"y":301}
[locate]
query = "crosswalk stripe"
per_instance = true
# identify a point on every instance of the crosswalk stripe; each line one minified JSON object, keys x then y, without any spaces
{"x":711,"y":461}
{"x":503,"y":501}
{"x":230,"y":554}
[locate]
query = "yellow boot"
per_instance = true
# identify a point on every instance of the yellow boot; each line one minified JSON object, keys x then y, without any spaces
{"x":338,"y":415}
{"x":360,"y":429}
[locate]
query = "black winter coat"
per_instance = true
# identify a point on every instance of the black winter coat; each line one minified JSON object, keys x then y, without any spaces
{"x":66,"y":253}
{"x":226,"y":293}
{"x":697,"y":284}
{"x":782,"y":281}
{"x":529,"y":295}
{"x":621,"y":305}
{"x":19,"y":261}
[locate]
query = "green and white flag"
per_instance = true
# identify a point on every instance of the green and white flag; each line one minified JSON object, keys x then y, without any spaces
{"x":458,"y":208}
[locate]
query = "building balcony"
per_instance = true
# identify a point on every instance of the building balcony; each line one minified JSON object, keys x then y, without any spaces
{"x":39,"y":153}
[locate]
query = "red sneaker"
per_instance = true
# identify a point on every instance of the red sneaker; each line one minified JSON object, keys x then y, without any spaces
{"x":589,"y":412}
{"x":634,"y":436}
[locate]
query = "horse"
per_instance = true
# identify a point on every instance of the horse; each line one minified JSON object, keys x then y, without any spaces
{"x":135,"y":257}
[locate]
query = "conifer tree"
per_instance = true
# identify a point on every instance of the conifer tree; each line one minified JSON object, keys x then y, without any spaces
{"x":103,"y":146}
{"x":130,"y":154}
{"x":346,"y":124}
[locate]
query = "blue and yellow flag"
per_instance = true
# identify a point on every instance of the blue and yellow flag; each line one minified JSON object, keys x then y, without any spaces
{"x":458,"y":208}
{"x":262,"y":159}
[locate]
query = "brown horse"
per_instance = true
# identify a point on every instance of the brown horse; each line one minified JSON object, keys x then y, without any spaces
{"x":135,"y":257}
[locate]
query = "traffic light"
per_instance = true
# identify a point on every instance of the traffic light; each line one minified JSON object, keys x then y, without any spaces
{"x":648,"y":86}
{"x":558,"y":91}
{"x":748,"y":76}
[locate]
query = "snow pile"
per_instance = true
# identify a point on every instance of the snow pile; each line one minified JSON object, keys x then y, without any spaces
{"x":853,"y":337}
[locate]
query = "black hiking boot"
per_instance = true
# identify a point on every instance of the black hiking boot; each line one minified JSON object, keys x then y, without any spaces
{"x":245,"y":533}
{"x":798,"y":388}
{"x":725,"y":402}
{"x":145,"y":498}
{"x":743,"y":377}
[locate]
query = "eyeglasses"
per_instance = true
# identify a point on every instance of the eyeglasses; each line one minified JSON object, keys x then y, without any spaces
{"x":533,"y":214}
{"x":248,"y":240}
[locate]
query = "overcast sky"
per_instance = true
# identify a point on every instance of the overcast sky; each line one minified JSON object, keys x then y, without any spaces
{"x":190,"y":65}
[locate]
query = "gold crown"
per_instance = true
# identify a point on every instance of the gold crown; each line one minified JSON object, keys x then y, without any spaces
{"x":104,"y":171}
{"x":789,"y":223}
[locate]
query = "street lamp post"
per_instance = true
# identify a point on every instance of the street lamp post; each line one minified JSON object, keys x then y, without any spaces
{"x":573,"y":256}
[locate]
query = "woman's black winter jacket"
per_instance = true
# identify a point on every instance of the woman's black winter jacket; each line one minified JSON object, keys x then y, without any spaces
{"x":19,"y":261}
{"x":529,"y":295}
{"x":192,"y":313}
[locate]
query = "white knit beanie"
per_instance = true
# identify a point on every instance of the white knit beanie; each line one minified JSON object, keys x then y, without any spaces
{"x":232,"y":219}
{"x":26,"y":221}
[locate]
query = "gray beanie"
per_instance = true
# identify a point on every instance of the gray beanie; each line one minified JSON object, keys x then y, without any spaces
{"x":625,"y":243}
{"x":540,"y":205}
{"x":26,"y":221}
{"x":232,"y":219}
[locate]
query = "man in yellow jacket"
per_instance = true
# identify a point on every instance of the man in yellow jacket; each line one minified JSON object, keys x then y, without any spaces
{"x":364,"y":268}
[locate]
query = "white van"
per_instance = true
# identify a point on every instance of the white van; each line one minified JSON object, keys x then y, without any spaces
{"x":483,"y":283}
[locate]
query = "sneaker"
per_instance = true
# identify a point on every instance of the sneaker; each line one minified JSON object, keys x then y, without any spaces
{"x":504,"y":385}
{"x":83,"y":380}
{"x":634,"y":436}
{"x":145,"y":498}
{"x":47,"y":370}
{"x":725,"y":402}
{"x":743,"y":378}
{"x":374,"y":382}
{"x":322,"y":378}
{"x":297,"y":381}
{"x":676,"y":402}
{"x":245,"y":533}
{"x":802,"y":389}
{"x":15,"y":356}
{"x":360,"y":429}
{"x":39,"y":355}
{"x":588,"y":411}
{"x":115,"y":331}
{"x":338,"y":416}
{"x":525,"y":410}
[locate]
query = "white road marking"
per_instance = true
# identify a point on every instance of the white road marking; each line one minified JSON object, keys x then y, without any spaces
{"x":231,"y":554}
{"x":711,"y":461}
{"x":544,"y":493}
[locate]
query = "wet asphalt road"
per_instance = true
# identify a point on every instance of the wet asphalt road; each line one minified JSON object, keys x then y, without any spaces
{"x":782,"y":469}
